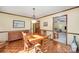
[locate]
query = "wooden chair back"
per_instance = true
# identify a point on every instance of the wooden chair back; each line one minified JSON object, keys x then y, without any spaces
{"x":26,"y":42}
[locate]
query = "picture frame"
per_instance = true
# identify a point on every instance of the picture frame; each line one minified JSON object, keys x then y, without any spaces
{"x":18,"y":24}
{"x":45,"y":24}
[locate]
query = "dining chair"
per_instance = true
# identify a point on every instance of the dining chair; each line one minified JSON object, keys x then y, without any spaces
{"x":37,"y":48}
{"x":26,"y":42}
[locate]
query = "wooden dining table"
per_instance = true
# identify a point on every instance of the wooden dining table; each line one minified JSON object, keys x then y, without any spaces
{"x":47,"y":45}
{"x":34,"y":39}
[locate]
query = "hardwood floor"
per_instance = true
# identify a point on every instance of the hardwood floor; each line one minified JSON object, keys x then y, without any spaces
{"x":13,"y":47}
{"x":49,"y":45}
{"x":53,"y":46}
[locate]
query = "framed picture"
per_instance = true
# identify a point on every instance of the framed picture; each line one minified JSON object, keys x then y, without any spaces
{"x":45,"y":24}
{"x":18,"y":24}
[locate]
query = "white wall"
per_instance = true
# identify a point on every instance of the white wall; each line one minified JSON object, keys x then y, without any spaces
{"x":72,"y":18}
{"x":3,"y":37}
{"x":6,"y":24}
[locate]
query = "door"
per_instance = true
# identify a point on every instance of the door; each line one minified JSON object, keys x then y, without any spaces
{"x":36,"y":27}
{"x":60,"y":28}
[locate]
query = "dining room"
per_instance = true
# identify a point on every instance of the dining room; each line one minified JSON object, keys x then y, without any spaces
{"x":39,"y":29}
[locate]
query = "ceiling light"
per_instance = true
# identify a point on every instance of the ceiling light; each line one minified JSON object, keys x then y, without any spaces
{"x":33,"y":16}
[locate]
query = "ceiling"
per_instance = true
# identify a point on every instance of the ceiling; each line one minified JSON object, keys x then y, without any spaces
{"x":40,"y":11}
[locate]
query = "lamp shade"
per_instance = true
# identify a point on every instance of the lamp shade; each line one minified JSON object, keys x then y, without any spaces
{"x":34,"y":21}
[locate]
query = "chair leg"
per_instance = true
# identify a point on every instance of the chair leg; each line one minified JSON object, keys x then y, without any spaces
{"x":26,"y":48}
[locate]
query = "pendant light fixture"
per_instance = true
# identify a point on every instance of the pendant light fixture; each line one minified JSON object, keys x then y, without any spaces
{"x":33,"y":16}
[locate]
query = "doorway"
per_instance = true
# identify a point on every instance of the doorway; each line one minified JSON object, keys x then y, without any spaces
{"x":60,"y":28}
{"x":36,"y":27}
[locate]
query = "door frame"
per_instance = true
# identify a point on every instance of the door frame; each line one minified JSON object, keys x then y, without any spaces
{"x":66,"y":26}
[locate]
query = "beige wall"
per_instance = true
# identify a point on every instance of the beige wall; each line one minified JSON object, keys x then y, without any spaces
{"x":49,"y":27}
{"x":6,"y":24}
{"x":50,"y":23}
{"x":73,"y":21}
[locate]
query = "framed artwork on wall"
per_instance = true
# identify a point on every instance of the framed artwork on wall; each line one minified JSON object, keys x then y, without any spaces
{"x":45,"y":24}
{"x":18,"y":24}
